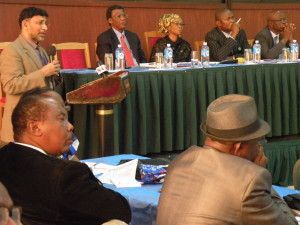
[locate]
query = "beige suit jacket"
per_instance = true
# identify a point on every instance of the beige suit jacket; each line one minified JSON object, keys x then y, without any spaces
{"x":208,"y":187}
{"x":20,"y":71}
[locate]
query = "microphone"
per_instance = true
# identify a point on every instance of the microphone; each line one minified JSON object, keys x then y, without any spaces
{"x":101,"y":69}
{"x":57,"y":78}
{"x":51,"y":51}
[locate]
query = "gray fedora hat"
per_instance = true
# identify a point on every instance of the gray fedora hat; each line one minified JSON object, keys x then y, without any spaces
{"x":234,"y":118}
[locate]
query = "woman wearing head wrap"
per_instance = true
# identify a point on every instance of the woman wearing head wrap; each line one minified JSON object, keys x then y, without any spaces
{"x":172,"y":25}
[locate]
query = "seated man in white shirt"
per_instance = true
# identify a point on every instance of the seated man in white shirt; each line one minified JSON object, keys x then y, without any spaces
{"x":275,"y":36}
{"x":107,"y":42}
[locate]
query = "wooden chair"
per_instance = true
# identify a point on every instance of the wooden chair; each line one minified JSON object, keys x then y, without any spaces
{"x":150,"y":39}
{"x":251,"y":41}
{"x":296,"y":175}
{"x":3,"y":45}
{"x":2,"y":105}
{"x":97,"y":58}
{"x":2,"y":94}
{"x":73,"y":55}
{"x":198,"y":45}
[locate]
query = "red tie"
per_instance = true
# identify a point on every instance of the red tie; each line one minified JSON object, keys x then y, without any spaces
{"x":128,"y":56}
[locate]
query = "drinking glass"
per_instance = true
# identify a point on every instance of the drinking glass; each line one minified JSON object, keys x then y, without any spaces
{"x":248,"y":55}
{"x":159,"y":60}
{"x":195,"y":59}
{"x":285,"y":55}
{"x":109,"y":61}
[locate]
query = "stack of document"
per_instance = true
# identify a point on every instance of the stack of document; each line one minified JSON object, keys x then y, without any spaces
{"x":121,"y":176}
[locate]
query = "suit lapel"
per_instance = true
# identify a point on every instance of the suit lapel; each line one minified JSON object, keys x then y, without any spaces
{"x":223,"y":37}
{"x":30,"y":52}
{"x":114,"y":37}
{"x":129,"y":39}
{"x":271,"y":40}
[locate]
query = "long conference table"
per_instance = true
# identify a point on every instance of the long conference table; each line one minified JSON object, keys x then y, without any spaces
{"x":165,"y":108}
{"x":144,"y":200}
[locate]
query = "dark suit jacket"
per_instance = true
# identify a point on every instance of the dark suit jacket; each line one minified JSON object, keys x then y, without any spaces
{"x":54,"y":191}
{"x":268,"y":50}
{"x":107,"y":42}
{"x":221,"y":47}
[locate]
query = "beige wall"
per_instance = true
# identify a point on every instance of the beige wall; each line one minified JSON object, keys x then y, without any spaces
{"x":83,"y":21}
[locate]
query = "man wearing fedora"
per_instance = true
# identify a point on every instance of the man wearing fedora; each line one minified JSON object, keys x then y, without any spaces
{"x":224,"y":182}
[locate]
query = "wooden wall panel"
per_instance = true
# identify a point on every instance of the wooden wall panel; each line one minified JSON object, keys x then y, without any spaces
{"x":83,"y":21}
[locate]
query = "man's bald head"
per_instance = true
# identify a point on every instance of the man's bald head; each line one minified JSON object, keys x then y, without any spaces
{"x":276,"y":21}
{"x":220,"y":12}
{"x":275,"y":15}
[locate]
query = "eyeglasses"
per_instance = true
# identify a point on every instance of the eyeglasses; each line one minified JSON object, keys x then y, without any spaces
{"x":178,"y":24}
{"x":283,"y":20}
{"x":14,"y":212}
{"x":125,"y":16}
{"x":41,"y":23}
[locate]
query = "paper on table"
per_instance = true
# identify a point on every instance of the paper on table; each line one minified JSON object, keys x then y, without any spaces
{"x":122,"y":175}
{"x":90,"y":164}
{"x":101,"y":168}
{"x":124,"y":182}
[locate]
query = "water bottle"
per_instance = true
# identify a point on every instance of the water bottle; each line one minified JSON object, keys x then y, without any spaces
{"x":205,"y":54}
{"x":168,"y":56}
{"x":120,"y":58}
{"x":256,"y":52}
{"x":294,"y":49}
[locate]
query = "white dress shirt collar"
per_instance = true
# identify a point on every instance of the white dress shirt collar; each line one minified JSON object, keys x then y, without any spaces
{"x":33,"y":147}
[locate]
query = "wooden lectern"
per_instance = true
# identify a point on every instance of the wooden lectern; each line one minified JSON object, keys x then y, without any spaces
{"x":103,"y":92}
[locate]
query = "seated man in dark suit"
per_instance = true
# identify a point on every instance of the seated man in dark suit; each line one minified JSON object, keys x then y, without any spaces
{"x":227,"y":40}
{"x":9,"y":215}
{"x":275,"y":36}
{"x":52,"y":190}
{"x":108,"y":41}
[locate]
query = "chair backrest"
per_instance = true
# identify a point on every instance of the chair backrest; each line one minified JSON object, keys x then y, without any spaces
{"x":73,"y":55}
{"x":198,"y":45}
{"x":97,"y":58}
{"x":150,"y":39}
{"x":2,"y":105}
{"x":296,"y":175}
{"x":251,"y":41}
{"x":3,"y":45}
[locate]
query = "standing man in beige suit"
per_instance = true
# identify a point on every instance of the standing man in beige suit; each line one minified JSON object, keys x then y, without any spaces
{"x":24,"y":64}
{"x":224,"y":182}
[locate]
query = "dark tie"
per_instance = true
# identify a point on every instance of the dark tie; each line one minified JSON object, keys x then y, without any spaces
{"x":276,"y":40}
{"x":50,"y":80}
{"x":127,"y":53}
{"x":41,"y":55}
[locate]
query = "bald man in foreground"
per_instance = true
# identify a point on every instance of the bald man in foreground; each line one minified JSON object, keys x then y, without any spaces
{"x":276,"y":35}
{"x":51,"y":190}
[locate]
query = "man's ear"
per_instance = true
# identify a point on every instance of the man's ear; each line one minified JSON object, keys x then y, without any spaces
{"x":237,"y":148}
{"x":25,"y":24}
{"x":33,"y":127}
{"x":218,"y":23}
{"x":109,"y":20}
